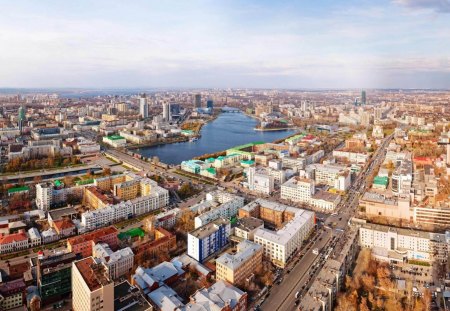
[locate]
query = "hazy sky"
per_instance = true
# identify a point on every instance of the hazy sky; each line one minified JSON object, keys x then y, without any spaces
{"x":280,"y":44}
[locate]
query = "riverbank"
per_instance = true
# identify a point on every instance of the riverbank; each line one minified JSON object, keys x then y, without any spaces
{"x":275,"y":129}
{"x":224,"y":132}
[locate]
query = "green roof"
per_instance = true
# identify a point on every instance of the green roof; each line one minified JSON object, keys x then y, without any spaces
{"x":58,"y":183}
{"x":84,"y":182}
{"x":248,"y":162}
{"x":114,"y":137}
{"x":18,"y":189}
{"x":247,"y":145}
{"x":134,"y":232}
{"x":380,"y":180}
{"x":211,"y":170}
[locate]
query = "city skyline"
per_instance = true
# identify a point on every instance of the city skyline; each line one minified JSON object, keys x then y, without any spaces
{"x":326,"y":45}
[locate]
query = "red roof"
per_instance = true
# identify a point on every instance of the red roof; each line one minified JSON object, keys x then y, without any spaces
{"x":93,"y":236}
{"x":15,"y":237}
{"x":63,"y":224}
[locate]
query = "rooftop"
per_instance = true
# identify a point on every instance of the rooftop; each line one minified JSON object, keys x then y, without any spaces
{"x":94,"y":274}
{"x":209,"y":229}
{"x":245,"y":251}
{"x":129,"y":298}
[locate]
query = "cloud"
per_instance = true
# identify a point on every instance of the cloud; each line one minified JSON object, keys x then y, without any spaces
{"x":440,"y":6}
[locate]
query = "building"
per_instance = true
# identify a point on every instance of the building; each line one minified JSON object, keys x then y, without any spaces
{"x":210,"y":104}
{"x":129,"y":298}
{"x":91,"y":286}
{"x":352,"y":157}
{"x":259,"y":181}
{"x":379,"y":205}
{"x":236,"y":268}
{"x":84,"y":243}
{"x":295,"y":226}
{"x":115,"y":141}
{"x":222,"y":205}
{"x":44,"y":196}
{"x":13,"y":242}
{"x":165,"y":299}
{"x":163,"y":243}
{"x":363,"y":97}
{"x":143,"y":106}
{"x":54,"y":275}
{"x":302,"y":190}
{"x":166,"y":112}
{"x":12,"y":294}
{"x":400,"y":245}
{"x":247,"y":227}
{"x":149,"y":279}
{"x":221,"y":296}
{"x":335,"y":176}
{"x":209,"y":239}
{"x":198,"y":101}
{"x":119,"y":263}
{"x":298,"y":189}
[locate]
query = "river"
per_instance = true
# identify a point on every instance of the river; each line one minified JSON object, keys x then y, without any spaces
{"x":228,"y":130}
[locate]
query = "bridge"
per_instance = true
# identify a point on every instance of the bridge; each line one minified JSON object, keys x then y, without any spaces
{"x":231,"y":110}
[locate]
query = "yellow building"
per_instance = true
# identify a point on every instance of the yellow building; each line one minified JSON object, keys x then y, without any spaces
{"x":92,"y":289}
{"x":236,"y":268}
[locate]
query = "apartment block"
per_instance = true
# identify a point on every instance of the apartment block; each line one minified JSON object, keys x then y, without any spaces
{"x":209,"y":239}
{"x":236,"y":268}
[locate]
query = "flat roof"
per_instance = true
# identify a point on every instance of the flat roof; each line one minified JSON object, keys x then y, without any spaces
{"x":209,"y":229}
{"x":129,"y":298}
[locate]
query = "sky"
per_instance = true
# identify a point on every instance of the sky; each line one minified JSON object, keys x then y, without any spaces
{"x":220,"y":44}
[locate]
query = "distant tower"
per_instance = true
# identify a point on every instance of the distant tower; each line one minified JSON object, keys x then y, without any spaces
{"x":363,"y":97}
{"x":356,"y":101}
{"x":143,"y":106}
{"x":21,"y":118}
{"x":445,"y":140}
{"x":210,"y":104}
{"x":198,"y":101}
{"x":166,"y":111}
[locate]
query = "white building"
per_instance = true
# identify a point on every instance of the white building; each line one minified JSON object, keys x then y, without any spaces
{"x":44,"y":196}
{"x":396,"y":244}
{"x":260,"y":181}
{"x":303,"y":190}
{"x":280,"y":245}
{"x":119,"y":263}
{"x":223,"y":205}
{"x":335,"y":176}
{"x":352,"y":157}
{"x":34,"y":237}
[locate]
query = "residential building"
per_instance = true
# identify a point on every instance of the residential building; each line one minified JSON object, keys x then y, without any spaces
{"x":236,"y":268}
{"x":295,"y":226}
{"x":84,"y":243}
{"x":149,"y":279}
{"x":119,"y":263}
{"x":163,"y":243}
{"x":209,"y":239}
{"x":91,"y":286}
{"x":247,"y":227}
{"x":12,"y":294}
{"x":222,"y":205}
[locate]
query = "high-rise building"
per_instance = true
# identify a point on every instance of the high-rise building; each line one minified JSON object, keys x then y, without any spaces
{"x":166,"y":112}
{"x":91,"y":286}
{"x":21,"y":118}
{"x":210,"y":104}
{"x":198,"y":101}
{"x":143,"y":106}
{"x":363,"y":97}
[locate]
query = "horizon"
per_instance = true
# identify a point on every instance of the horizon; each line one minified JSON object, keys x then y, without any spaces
{"x":391,"y":44}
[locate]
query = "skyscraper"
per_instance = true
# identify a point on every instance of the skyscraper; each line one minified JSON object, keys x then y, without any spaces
{"x":143,"y":106}
{"x":21,"y":118}
{"x":363,"y":97}
{"x":166,"y":111}
{"x":210,"y":104}
{"x":198,"y":101}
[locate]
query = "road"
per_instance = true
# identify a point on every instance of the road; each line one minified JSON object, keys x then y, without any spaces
{"x":282,"y":296}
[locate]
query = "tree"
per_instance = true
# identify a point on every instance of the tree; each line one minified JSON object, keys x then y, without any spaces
{"x":363,"y":306}
{"x":185,"y":222}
